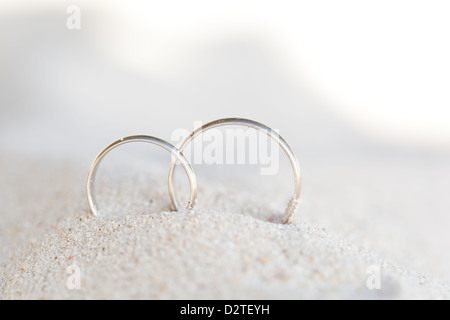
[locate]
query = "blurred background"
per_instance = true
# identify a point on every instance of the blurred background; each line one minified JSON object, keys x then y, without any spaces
{"x":360,"y":89}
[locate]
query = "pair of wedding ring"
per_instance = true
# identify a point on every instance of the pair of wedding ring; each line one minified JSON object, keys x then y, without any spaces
{"x":179,"y":157}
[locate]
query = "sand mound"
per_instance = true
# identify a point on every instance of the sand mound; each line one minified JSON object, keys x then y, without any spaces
{"x":201,"y":255}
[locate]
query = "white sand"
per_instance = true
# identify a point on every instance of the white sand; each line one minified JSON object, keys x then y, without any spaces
{"x":366,"y":200}
{"x":202,"y":254}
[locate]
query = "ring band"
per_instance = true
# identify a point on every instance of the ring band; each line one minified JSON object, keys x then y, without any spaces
{"x":256,"y":125}
{"x":90,"y":187}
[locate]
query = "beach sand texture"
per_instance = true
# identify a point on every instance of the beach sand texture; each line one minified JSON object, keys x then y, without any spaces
{"x":218,"y":251}
{"x":368,"y":200}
